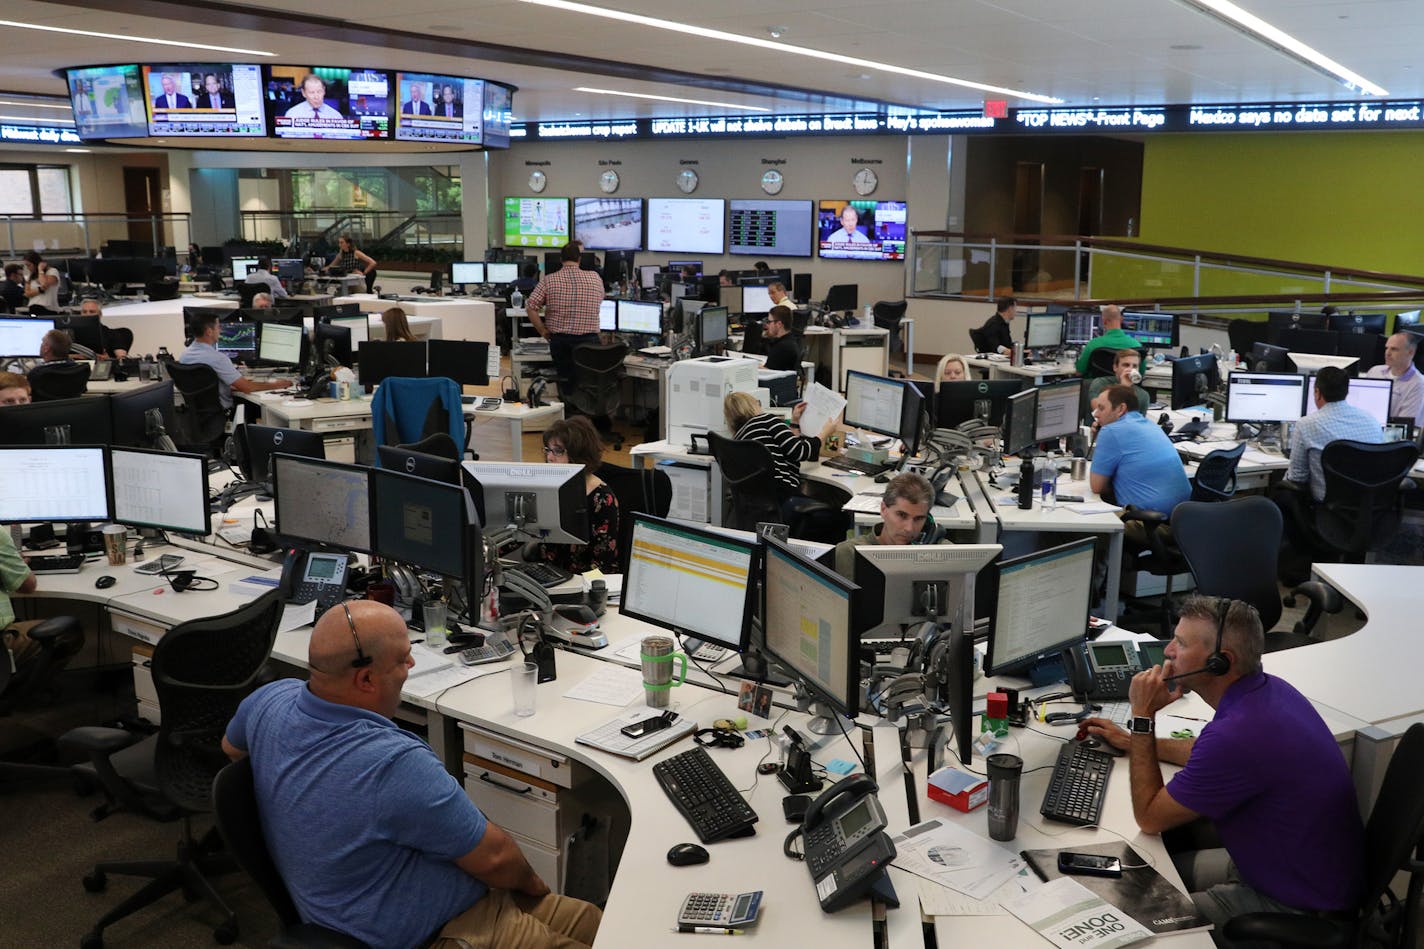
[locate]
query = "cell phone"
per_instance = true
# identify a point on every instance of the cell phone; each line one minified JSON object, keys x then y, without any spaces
{"x":648,"y":725}
{"x":162,"y":564}
{"x":1089,"y":864}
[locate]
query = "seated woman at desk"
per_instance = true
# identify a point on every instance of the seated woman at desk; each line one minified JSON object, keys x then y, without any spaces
{"x":1127,"y":363}
{"x":397,"y":326}
{"x":952,"y":368}
{"x":788,"y":447}
{"x":575,"y":441}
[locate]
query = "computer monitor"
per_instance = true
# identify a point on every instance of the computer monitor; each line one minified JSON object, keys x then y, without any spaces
{"x":322,"y":502}
{"x":330,"y":311}
{"x":801,"y":287}
{"x":638,"y":317}
{"x":1370,"y":395}
{"x":333,"y":341}
{"x":648,"y":275}
{"x":1060,"y":409}
{"x":1268,"y":358}
{"x":261,"y":441}
{"x":1357,"y":322}
{"x":608,"y":316}
{"x":1081,"y":325}
{"x":1406,"y":318}
{"x":79,"y":421}
{"x":419,"y":463}
{"x":1020,"y":422}
{"x":288,"y":268}
{"x":21,"y":336}
{"x":425,"y":524}
{"x":136,"y":414}
{"x":983,"y":399}
{"x":1312,"y":341}
{"x":756,"y":300}
{"x":545,"y":500}
{"x":904,"y":585}
{"x":1151,"y":328}
{"x":380,"y":359}
{"x":357,"y":327}
{"x":500,"y":274}
{"x":237,"y":340}
{"x":809,"y":627}
{"x":84,"y":330}
{"x":1265,"y":396}
{"x":465,"y":361}
{"x":882,"y":405}
{"x":680,"y":266}
{"x":677,"y":292}
{"x":712,"y":329}
{"x":53,"y":483}
{"x":1043,"y":330}
{"x":160,"y":489}
{"x":282,"y":343}
{"x":1192,"y":378}
{"x":467,"y":271}
{"x":241,"y":267}
{"x":693,"y":580}
{"x":1040,"y":606}
{"x":618,"y":264}
{"x":843,"y":296}
{"x":553,"y":261}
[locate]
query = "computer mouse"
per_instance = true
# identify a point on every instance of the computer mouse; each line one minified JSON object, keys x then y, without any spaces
{"x":883,"y":478}
{"x":104,"y":582}
{"x":687,"y":855}
{"x":1098,"y":743}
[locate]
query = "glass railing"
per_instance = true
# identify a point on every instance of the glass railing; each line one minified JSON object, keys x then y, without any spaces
{"x":76,"y":235}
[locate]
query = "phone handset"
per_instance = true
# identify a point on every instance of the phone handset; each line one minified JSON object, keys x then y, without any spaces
{"x":313,"y":575}
{"x":1081,"y":672}
{"x":846,"y":848}
{"x":856,"y":784}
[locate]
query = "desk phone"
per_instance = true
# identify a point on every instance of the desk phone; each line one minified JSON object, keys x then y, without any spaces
{"x":847,"y":849}
{"x":1105,"y":669}
{"x":308,"y":576}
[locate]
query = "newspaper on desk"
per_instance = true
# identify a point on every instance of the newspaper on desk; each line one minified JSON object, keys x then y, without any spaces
{"x":435,"y":672}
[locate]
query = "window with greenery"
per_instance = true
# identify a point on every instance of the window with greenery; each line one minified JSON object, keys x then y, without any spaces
{"x":438,"y":190}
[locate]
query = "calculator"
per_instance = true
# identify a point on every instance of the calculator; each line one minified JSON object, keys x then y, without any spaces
{"x":162,"y":565}
{"x":720,"y":909}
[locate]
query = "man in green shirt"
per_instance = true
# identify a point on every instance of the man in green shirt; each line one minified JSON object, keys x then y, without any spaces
{"x":1113,"y":338}
{"x":1127,"y":371}
{"x":15,"y":577}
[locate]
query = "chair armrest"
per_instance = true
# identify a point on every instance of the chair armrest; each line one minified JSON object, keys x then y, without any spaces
{"x":96,"y":740}
{"x":312,"y":936}
{"x":1292,"y":929}
{"x":1323,"y":599}
{"x":1146,"y":516}
{"x":49,"y":632}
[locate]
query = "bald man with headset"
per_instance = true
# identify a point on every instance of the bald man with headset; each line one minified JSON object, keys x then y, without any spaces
{"x":1266,"y":771}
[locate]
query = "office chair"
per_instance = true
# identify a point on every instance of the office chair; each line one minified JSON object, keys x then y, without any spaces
{"x":1394,"y":843}
{"x":246,"y":292}
{"x":1160,"y":558}
{"x":1216,"y":474}
{"x":118,"y":337}
{"x":57,"y":639}
{"x":753,"y":343}
{"x":439,"y":444}
{"x":748,"y":471}
{"x":887,"y":316}
{"x":1361,"y":505}
{"x":239,"y":821}
{"x":639,"y":491}
{"x":200,"y":422}
{"x":978,"y":340}
{"x":61,"y":379}
{"x":405,"y":410}
{"x":596,"y":388}
{"x":202,"y":669}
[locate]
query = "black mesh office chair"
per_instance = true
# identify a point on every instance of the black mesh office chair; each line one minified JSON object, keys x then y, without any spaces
{"x":753,"y":342}
{"x":1394,"y":844}
{"x":239,"y":821}
{"x":887,"y":316}
{"x":596,"y":388}
{"x":247,"y":291}
{"x":1215,"y":479}
{"x":61,"y":379}
{"x":200,"y":422}
{"x":202,"y":669}
{"x":749,"y":474}
{"x":978,"y":340}
{"x":1361,"y":505}
{"x":639,"y":491}
{"x":57,"y":639}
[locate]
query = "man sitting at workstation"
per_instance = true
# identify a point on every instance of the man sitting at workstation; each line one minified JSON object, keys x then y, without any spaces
{"x":904,"y":519}
{"x":782,"y":350}
{"x":352,"y":804}
{"x":998,"y":338}
{"x":1126,"y":372}
{"x":1266,"y":770}
{"x":117,"y":339}
{"x":55,"y":346}
{"x":1406,"y":398}
{"x":1113,"y":338}
{"x":203,"y":351}
{"x":12,"y":289}
{"x":1134,"y":461}
{"x":262,"y":274}
{"x":779,"y":296}
{"x":262,"y":301}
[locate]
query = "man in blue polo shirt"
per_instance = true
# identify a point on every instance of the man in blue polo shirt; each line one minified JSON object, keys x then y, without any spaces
{"x":372,"y":835}
{"x":1133,"y":457}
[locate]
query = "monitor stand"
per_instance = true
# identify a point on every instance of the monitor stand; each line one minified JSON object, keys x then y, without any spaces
{"x":755,"y":667}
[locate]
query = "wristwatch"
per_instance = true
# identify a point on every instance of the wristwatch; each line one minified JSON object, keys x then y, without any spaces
{"x":1142,"y":725}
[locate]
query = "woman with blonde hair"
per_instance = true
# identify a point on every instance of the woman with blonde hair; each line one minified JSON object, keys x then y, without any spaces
{"x":788,"y":447}
{"x":952,"y":368}
{"x":397,"y":327}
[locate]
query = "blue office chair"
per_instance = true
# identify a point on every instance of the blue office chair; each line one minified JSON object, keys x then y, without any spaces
{"x":406,"y":410}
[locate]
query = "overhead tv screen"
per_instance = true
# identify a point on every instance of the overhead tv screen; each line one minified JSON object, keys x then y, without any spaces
{"x":321,"y":102}
{"x":536,"y":222}
{"x":770,"y":228}
{"x":862,"y":230}
{"x":686,"y":225}
{"x":204,"y":100}
{"x":499,"y":114}
{"x":609,"y":223}
{"x":431,"y":108}
{"x":107,"y":101}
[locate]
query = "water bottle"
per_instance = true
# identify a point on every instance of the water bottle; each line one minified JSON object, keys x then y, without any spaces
{"x":516,"y":299}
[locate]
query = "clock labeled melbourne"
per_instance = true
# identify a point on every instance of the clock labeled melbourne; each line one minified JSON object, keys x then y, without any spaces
{"x":865,"y":181}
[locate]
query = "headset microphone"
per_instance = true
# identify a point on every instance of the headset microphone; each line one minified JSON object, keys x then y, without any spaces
{"x":1218,"y":663}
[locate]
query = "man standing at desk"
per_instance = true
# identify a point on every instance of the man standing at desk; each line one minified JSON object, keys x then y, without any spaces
{"x":1113,"y":338}
{"x":12,"y":290}
{"x":1406,"y":399}
{"x":782,"y":352}
{"x":998,"y":338}
{"x":564,"y":309}
{"x":203,"y":351}
{"x":352,"y":804}
{"x":904,"y":519}
{"x":1266,"y":771}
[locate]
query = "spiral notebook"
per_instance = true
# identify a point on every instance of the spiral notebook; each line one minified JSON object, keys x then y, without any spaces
{"x":609,"y":737}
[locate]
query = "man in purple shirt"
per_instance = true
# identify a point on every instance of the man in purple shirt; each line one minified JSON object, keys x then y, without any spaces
{"x":1266,"y":771}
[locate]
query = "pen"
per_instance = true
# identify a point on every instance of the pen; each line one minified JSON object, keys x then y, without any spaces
{"x":1033,"y":866}
{"x":711,"y":930}
{"x":837,"y":474}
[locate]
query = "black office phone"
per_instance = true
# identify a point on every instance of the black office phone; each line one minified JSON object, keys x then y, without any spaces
{"x":314,"y":575}
{"x":847,"y":849}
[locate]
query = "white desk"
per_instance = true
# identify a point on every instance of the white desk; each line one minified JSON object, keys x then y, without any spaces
{"x":1036,"y":373}
{"x":457,"y":318}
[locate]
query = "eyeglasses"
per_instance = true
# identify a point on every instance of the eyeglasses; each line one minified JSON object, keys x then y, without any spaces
{"x":362,"y":660}
{"x":555,"y":450}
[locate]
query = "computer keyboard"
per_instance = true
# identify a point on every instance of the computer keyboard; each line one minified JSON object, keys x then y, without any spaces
{"x":56,"y":563}
{"x":546,"y":575}
{"x":1079,"y":783}
{"x":493,"y":650}
{"x":842,"y":463}
{"x":703,"y":795}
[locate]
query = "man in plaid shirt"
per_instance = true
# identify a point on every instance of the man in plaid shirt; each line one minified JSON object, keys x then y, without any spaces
{"x":564,"y":309}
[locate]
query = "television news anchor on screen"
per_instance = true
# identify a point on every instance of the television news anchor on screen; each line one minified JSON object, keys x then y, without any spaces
{"x":171,"y":98}
{"x":214,"y":95}
{"x":313,"y":104}
{"x":849,"y":231}
{"x":449,"y":106}
{"x":416,"y":104}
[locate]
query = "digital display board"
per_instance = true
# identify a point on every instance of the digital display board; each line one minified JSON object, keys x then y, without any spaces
{"x":862,"y":230}
{"x":499,"y":114}
{"x":107,"y":102}
{"x":686,"y":225}
{"x":431,"y":108}
{"x":609,"y":223}
{"x":320,"y":102}
{"x":771,"y":228}
{"x":536,"y":222}
{"x":204,"y":100}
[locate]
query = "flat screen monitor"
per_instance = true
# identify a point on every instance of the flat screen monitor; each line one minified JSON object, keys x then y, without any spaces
{"x":204,"y":99}
{"x":443,"y":110}
{"x":465,"y":361}
{"x":546,"y":500}
{"x":1358,"y":323}
{"x":712,"y":327}
{"x":281,"y":343}
{"x":241,"y":267}
{"x":608,"y":316}
{"x":1041,"y":606}
{"x":691,"y":580}
{"x":809,"y":627}
{"x":959,"y":402}
{"x":878,"y":404}
{"x":903,"y":585}
{"x":1265,"y":396}
{"x":108,"y":101}
{"x":322,"y":502}
{"x":636,"y":316}
{"x":327,"y":102}
{"x":357,"y":327}
{"x":862,"y":229}
{"x":53,"y":483}
{"x":136,"y":414}
{"x":843,"y":296}
{"x":648,"y":275}
{"x":1060,"y":409}
{"x":1268,"y":358}
{"x":237,"y":340}
{"x":418,"y":463}
{"x":686,"y":225}
{"x":334,"y":341}
{"x":684,"y":268}
{"x":756,"y":300}
{"x":262,"y":441}
{"x":1406,"y":318}
{"x":1021,"y":422}
{"x":467,"y":271}
{"x":501,"y":273}
{"x":380,"y":359}
{"x":537,"y":222}
{"x":289,"y":268}
{"x":79,"y":421}
{"x":160,"y":489}
{"x":1192,"y":378}
{"x":1369,"y":395}
{"x":609,"y":223}
{"x":21,"y":336}
{"x":770,"y":228}
{"x":499,"y":114}
{"x":1151,"y":328}
{"x":1081,"y":325}
{"x":424,"y":524}
{"x":84,"y":330}
{"x":1043,"y":330}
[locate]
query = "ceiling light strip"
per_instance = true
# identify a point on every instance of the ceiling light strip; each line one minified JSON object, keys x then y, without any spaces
{"x":37,"y":118}
{"x":133,"y":39}
{"x":33,"y":105}
{"x":643,"y":95}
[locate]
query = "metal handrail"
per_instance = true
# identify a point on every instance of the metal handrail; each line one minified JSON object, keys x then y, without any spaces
{"x":178,"y":225}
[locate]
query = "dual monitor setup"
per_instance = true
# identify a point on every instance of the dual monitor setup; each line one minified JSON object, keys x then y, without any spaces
{"x":1074,"y":327}
{"x":1278,"y":397}
{"x":129,"y":419}
{"x":21,"y":335}
{"x":1029,"y":415}
{"x":463,"y":273}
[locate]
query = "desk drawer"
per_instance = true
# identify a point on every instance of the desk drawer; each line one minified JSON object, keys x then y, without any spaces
{"x":348,"y":424}
{"x":546,"y":861}
{"x":144,"y":630}
{"x":529,"y":759}
{"x":519,"y":808}
{"x":143,"y":675}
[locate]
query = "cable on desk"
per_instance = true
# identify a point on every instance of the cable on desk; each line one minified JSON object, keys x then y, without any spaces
{"x":770,"y":739}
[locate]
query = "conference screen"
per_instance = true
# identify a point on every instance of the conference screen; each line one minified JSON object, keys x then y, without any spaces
{"x":686,"y":225}
{"x":433,"y":108}
{"x":536,"y":222}
{"x":862,"y":230}
{"x":773,"y":228}
{"x":107,"y":102}
{"x":322,"y":102}
{"x":204,"y":99}
{"x":609,"y":223}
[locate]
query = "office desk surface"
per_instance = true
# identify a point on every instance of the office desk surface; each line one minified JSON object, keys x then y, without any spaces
{"x":467,"y":318}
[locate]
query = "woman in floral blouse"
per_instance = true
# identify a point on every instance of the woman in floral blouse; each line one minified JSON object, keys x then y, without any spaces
{"x":575,"y":441}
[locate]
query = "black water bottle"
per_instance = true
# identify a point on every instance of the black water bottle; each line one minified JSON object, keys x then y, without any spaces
{"x":1026,"y":484}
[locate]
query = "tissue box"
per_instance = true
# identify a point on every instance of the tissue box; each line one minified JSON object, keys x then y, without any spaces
{"x":959,"y":789}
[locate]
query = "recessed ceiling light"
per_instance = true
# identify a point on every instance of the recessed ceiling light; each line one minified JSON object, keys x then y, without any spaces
{"x":642,"y":95}
{"x":776,"y":32}
{"x":35,"y":118}
{"x":33,"y":105}
{"x":133,"y":39}
{"x":706,"y":33}
{"x":78,"y":151}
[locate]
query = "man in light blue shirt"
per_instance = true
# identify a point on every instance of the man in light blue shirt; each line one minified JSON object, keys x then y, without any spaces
{"x":262,"y":274}
{"x":1133,"y":456}
{"x":203,"y":351}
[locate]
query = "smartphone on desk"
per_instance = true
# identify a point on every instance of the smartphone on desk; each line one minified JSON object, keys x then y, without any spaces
{"x":1088,"y":864}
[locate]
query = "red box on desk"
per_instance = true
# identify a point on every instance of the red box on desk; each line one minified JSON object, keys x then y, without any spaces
{"x":959,"y":789}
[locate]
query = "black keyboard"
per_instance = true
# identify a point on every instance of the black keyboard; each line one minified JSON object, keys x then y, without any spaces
{"x":1079,"y":784}
{"x":842,"y":463}
{"x":546,"y":575}
{"x":56,"y":563}
{"x":702,"y":793}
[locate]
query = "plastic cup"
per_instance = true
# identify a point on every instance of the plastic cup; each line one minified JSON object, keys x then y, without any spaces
{"x":523,"y":678}
{"x":116,"y":538}
{"x":437,"y":630}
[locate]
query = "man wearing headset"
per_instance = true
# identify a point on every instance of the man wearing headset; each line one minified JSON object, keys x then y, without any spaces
{"x":904,"y":519}
{"x":1266,"y":771}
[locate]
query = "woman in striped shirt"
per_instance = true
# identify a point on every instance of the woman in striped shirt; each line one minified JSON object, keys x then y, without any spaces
{"x":788,"y":447}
